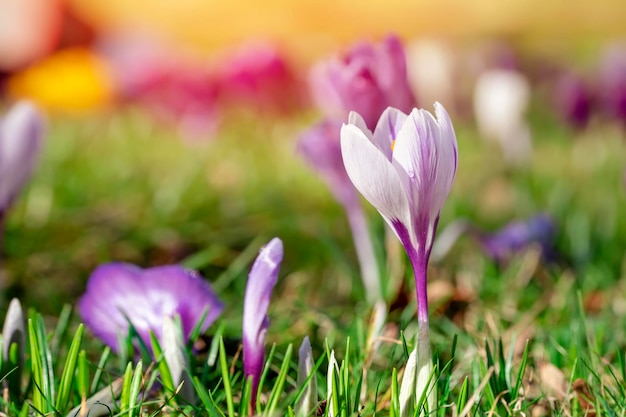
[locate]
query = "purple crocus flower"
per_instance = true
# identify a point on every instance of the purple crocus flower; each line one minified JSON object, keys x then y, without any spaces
{"x":573,"y":99}
{"x":501,"y":245}
{"x":367,"y":79}
{"x":405,"y":169}
{"x":119,"y":293}
{"x":613,"y":82}
{"x":261,"y":282}
{"x":321,"y":147}
{"x":517,"y":236}
{"x":21,"y":136}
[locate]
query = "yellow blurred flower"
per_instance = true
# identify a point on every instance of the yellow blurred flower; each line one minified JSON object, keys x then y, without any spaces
{"x":70,"y":80}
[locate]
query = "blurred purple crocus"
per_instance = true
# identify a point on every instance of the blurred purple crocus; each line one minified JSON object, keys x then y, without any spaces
{"x":119,"y":293}
{"x":573,"y":99}
{"x":518,"y":236}
{"x":261,"y":282}
{"x":321,"y":148}
{"x":21,"y":136}
{"x":612,"y":77}
{"x":503,"y":244}
{"x":367,"y":79}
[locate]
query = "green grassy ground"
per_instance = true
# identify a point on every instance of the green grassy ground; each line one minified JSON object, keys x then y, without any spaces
{"x":115,"y":187}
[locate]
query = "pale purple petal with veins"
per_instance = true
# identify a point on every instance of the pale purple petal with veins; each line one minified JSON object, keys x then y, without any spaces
{"x":261,"y":282}
{"x":21,"y":136}
{"x":118,"y":293}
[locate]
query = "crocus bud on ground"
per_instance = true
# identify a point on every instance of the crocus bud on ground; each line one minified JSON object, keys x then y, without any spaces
{"x":367,"y":79}
{"x":119,"y":295}
{"x":306,"y":366}
{"x":21,"y":136}
{"x":261,"y":282}
{"x":573,"y":99}
{"x":405,"y":169}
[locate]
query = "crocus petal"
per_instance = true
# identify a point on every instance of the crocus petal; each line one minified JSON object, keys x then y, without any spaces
{"x":387,"y":129}
{"x":308,"y":399}
{"x":373,"y":175}
{"x":14,"y":332}
{"x":118,"y":293}
{"x":21,"y":135}
{"x":261,"y":282}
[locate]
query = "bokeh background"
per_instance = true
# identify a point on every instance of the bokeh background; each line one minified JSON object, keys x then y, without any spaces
{"x":173,"y":129}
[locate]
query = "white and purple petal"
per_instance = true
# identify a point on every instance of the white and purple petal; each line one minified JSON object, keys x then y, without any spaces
{"x":21,"y":137}
{"x":261,"y":281}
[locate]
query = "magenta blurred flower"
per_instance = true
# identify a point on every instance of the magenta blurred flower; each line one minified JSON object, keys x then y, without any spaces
{"x":261,"y":282}
{"x":612,"y":76}
{"x":177,"y":89}
{"x":259,"y":75}
{"x":119,"y":293}
{"x":367,"y":79}
{"x":21,"y":136}
{"x":321,"y":148}
{"x":573,"y":99}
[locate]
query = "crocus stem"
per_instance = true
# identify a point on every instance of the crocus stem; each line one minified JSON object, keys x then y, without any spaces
{"x":419,"y":261}
{"x":364,"y":251}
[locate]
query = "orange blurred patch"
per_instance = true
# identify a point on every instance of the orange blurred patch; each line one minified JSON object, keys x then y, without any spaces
{"x":71,"y":80}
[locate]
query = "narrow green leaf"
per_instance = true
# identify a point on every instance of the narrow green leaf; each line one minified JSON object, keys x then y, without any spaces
{"x":65,"y":385}
{"x":277,"y":390}
{"x":207,"y":400}
{"x":104,"y":358}
{"x":135,"y":387}
{"x":226,"y":379}
{"x":125,"y":398}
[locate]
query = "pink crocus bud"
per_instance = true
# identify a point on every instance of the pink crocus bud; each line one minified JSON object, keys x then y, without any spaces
{"x":21,"y":136}
{"x":612,"y":77}
{"x":261,"y":282}
{"x":573,"y":99}
{"x":367,"y":79}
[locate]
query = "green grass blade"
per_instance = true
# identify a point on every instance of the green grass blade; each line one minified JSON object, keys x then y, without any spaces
{"x":125,"y":398}
{"x":272,"y":403}
{"x":69,"y":370}
{"x":226,"y":379}
{"x":104,"y":358}
{"x":135,"y":387}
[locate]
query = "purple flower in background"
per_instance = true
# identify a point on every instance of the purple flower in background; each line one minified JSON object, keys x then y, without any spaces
{"x":501,"y":245}
{"x":118,"y":293}
{"x":612,"y":76}
{"x":321,"y":148}
{"x":367,"y":79}
{"x":21,"y":136}
{"x":261,"y":282}
{"x":518,"y":236}
{"x":573,"y":99}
